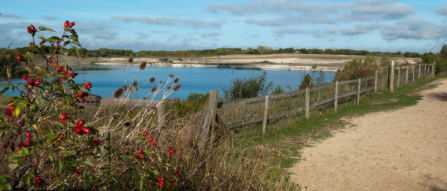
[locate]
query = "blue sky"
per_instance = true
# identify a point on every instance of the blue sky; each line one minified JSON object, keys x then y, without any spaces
{"x":374,"y":25}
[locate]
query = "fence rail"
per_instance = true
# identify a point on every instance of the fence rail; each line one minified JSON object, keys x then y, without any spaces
{"x":262,"y":109}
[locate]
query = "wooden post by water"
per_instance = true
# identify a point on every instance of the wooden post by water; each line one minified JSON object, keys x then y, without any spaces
{"x":307,"y":105}
{"x":105,"y":149}
{"x":375,"y":81}
{"x":398,"y":77}
{"x":392,"y":77}
{"x":266,"y":113}
{"x":358,"y":90}
{"x":210,"y":118}
{"x":336,"y":96}
{"x":161,"y":111}
{"x":406,"y":76}
{"x":413,"y":74}
{"x":419,"y":74}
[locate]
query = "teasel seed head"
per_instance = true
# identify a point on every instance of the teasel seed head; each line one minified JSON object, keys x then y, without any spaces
{"x":143,"y":65}
{"x":154,"y":88}
{"x":124,"y":87}
{"x":160,"y":81}
{"x":173,"y":117}
{"x":169,"y":87}
{"x":130,"y":60}
{"x":176,"y":80}
{"x":171,"y":75}
{"x":136,"y":88}
{"x":145,"y":98}
{"x":152,"y":79}
{"x":118,"y":92}
{"x":135,"y":83}
{"x":178,"y":86}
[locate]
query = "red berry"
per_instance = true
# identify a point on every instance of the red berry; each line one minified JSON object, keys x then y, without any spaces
{"x":88,"y":84}
{"x":78,"y":171}
{"x":162,"y":179}
{"x":177,"y":175}
{"x":178,"y":172}
{"x":30,"y":82}
{"x":29,"y":29}
{"x":4,"y":146}
{"x":98,"y":142}
{"x":27,"y":143}
{"x":82,"y":99}
{"x":60,"y":69}
{"x":37,"y":78}
{"x":8,"y":118}
{"x":77,"y":130}
{"x":63,"y":117}
{"x":79,"y":94}
{"x":36,"y":83}
{"x":155,"y":143}
{"x":8,"y":111}
{"x":37,"y":178}
{"x":11,"y":107}
{"x":58,"y":47}
{"x":70,"y":75}
{"x":145,"y":134}
{"x":63,"y":122}
{"x":66,"y":23}
{"x":80,"y":123}
{"x":28,"y":135}
{"x":25,"y":77}
{"x":65,"y":71}
{"x":152,"y":183}
{"x":55,"y":64}
{"x":150,"y":139}
{"x":171,"y":151}
{"x":71,"y":25}
{"x":84,"y":94}
{"x":19,"y":57}
{"x":86,"y":130}
{"x":81,"y":107}
{"x":32,"y":28}
{"x":89,"y":87}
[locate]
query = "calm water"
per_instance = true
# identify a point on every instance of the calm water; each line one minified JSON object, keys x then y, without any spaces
{"x":106,"y":79}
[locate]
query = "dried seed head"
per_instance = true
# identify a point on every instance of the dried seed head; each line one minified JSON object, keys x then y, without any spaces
{"x":124,"y":87}
{"x":152,"y":79}
{"x":160,"y":82}
{"x":118,"y":92}
{"x":130,"y":60}
{"x":176,"y":80}
{"x":178,"y":86}
{"x":127,"y":123}
{"x":173,"y":117}
{"x":136,"y":88}
{"x":154,"y":88}
{"x":169,"y":87}
{"x":171,"y":75}
{"x":144,"y":98}
{"x":143,"y":65}
{"x":135,"y":83}
{"x":130,"y":88}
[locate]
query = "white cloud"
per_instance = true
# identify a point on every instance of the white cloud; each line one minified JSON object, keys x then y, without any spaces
{"x":211,"y":34}
{"x":6,"y":15}
{"x":315,"y":33}
{"x":416,"y":29}
{"x":360,"y":29}
{"x":442,"y":10}
{"x":195,"y":23}
{"x":47,"y":17}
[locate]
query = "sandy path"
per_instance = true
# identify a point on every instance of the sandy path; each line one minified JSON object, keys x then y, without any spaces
{"x":404,"y":149}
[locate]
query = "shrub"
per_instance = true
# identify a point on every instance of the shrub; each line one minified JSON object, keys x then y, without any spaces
{"x":357,"y":68}
{"x":241,"y":88}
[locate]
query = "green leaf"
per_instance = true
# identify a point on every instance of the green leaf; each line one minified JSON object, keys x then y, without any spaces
{"x":76,"y":43}
{"x":30,"y":55}
{"x":60,"y":166}
{"x":58,"y":181}
{"x":66,"y":42}
{"x":76,"y":50}
{"x":55,"y":38}
{"x":87,"y":162}
{"x":18,"y":70}
{"x":4,"y":90}
{"x":27,"y":179}
{"x":5,"y":85}
{"x":51,"y":136}
{"x":12,"y":167}
{"x":72,"y":31}
{"x":41,"y":28}
{"x":8,"y":72}
{"x":4,"y":183}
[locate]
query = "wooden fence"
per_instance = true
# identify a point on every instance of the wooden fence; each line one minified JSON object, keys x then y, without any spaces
{"x":257,"y":110}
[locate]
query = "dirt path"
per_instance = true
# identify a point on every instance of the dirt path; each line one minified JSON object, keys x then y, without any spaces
{"x":404,"y":149}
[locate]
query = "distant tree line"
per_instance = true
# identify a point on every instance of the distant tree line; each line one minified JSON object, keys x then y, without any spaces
{"x":104,"y":52}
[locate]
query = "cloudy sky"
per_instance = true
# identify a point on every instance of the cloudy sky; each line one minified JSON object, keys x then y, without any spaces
{"x":374,"y":25}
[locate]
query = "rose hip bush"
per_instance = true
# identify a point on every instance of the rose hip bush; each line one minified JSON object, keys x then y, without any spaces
{"x":47,"y":146}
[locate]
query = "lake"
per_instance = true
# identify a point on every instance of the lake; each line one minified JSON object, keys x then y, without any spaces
{"x":106,"y":79}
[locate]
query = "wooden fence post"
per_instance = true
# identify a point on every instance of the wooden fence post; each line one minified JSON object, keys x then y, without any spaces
{"x":419,"y":74}
{"x":406,"y":76}
{"x":210,"y":118}
{"x":375,"y":81}
{"x":266,"y":113}
{"x":307,"y":105}
{"x":398,"y":77}
{"x":413,"y":74}
{"x":358,"y":90}
{"x":434,"y":68}
{"x":392,"y":77}
{"x":336,"y":96}
{"x":161,"y":111}
{"x":105,"y":149}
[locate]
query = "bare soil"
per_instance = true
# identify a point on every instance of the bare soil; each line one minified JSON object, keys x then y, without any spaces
{"x":403,"y":149}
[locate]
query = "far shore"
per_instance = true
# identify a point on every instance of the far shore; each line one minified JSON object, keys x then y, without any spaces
{"x":263,"y":62}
